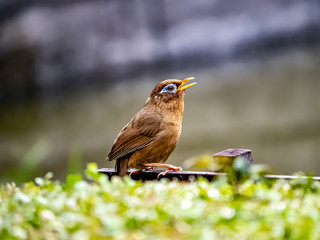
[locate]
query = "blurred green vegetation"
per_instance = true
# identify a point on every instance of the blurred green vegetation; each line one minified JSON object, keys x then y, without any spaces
{"x":29,"y":164}
{"x":32,"y":162}
{"x":242,"y":205}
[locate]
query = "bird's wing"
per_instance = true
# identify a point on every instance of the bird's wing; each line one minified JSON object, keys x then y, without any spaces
{"x":137,"y":134}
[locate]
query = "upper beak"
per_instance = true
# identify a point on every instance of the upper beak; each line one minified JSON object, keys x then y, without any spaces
{"x":183,"y":86}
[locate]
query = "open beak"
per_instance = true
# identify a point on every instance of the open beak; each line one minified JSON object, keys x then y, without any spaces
{"x":183,"y":86}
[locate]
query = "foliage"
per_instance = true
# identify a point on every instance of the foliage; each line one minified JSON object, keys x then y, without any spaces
{"x":243,"y":205}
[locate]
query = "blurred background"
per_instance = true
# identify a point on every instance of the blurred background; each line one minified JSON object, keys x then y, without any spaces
{"x":73,"y":73}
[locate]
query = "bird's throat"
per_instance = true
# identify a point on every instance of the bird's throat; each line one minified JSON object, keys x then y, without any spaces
{"x":171,"y":110}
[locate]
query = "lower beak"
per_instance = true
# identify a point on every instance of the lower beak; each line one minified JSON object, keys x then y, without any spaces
{"x":183,"y":86}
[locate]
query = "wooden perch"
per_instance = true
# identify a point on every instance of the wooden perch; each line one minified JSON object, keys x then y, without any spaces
{"x":225,"y":158}
{"x":186,"y":175}
{"x":153,"y":174}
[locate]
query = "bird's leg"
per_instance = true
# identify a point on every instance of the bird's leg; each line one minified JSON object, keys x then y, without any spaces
{"x":169,"y":166}
{"x":148,"y":168}
{"x":164,"y":165}
{"x":140,"y":170}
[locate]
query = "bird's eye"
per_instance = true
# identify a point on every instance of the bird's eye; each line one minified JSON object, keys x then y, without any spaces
{"x":171,"y":88}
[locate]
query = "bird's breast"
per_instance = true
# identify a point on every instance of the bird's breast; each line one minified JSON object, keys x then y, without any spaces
{"x":160,"y":148}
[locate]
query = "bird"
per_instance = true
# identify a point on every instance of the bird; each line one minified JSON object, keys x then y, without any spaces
{"x":152,"y":134}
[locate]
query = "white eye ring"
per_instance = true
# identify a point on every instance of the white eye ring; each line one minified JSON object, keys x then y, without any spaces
{"x":171,"y":88}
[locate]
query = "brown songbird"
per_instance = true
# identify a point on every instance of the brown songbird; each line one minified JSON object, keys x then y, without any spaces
{"x":152,"y":134}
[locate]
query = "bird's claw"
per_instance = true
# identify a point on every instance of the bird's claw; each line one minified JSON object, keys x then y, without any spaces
{"x":163,"y":173}
{"x":169,"y":170}
{"x":135,"y":172}
{"x":176,"y":169}
{"x":138,"y":171}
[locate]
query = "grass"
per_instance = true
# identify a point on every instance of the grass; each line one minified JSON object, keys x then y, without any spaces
{"x":243,"y":205}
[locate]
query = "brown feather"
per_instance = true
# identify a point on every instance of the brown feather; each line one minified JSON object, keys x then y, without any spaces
{"x":138,"y":133}
{"x":152,"y":134}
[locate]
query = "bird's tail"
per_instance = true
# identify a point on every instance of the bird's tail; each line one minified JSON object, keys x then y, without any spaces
{"x":121,"y":166}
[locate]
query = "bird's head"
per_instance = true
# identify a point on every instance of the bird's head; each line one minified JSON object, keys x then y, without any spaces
{"x":171,"y":89}
{"x":169,"y":93}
